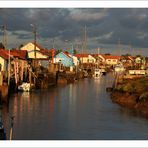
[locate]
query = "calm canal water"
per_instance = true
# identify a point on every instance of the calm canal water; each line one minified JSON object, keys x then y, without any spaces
{"x":82,"y":110}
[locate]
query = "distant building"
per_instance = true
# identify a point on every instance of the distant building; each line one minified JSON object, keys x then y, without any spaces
{"x":110,"y":59}
{"x":138,"y":60}
{"x":85,"y":58}
{"x":64,"y":58}
{"x":127,"y":60}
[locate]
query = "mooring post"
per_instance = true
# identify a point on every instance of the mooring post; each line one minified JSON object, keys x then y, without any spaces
{"x":11,"y":129}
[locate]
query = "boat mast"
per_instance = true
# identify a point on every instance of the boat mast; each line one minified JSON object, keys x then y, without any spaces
{"x":53,"y":44}
{"x":98,"y":57}
{"x":85,"y":39}
{"x":130,"y":48}
{"x":119,"y":46}
{"x":84,"y":45}
{"x":4,"y":36}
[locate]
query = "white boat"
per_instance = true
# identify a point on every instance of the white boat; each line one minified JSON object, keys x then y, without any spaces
{"x":119,"y":68}
{"x":103,"y":71}
{"x":97,"y":73}
{"x":24,"y":87}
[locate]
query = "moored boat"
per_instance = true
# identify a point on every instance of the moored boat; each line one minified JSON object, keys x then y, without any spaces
{"x":97,"y":73}
{"x":24,"y":87}
{"x":119,"y":68}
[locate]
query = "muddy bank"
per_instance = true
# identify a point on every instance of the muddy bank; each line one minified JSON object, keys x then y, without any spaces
{"x":130,"y":101}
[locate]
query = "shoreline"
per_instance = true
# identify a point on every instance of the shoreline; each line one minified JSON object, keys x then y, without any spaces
{"x":130,"y":101}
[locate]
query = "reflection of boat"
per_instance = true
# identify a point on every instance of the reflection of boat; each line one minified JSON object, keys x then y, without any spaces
{"x":25,"y":94}
{"x":97,"y":73}
{"x":24,"y":87}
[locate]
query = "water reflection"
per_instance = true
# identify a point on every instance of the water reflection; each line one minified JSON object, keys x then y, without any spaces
{"x":82,"y":110}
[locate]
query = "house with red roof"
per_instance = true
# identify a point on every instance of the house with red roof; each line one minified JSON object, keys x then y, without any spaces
{"x":3,"y":60}
{"x":17,"y":60}
{"x":85,"y":58}
{"x":40,"y":52}
{"x":109,"y":59}
{"x":20,"y":54}
{"x":127,"y":60}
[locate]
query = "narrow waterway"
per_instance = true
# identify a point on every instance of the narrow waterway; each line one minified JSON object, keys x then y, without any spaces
{"x":82,"y":110}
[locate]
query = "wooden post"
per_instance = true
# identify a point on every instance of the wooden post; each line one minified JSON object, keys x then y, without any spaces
{"x":22,"y":70}
{"x":11,"y":129}
{"x":1,"y":78}
{"x":30,"y":77}
{"x":53,"y":53}
{"x":34,"y":81}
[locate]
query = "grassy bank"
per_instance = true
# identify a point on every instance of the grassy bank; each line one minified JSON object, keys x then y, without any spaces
{"x":132,"y":93}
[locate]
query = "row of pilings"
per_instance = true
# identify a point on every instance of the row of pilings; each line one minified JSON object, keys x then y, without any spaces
{"x":43,"y":78}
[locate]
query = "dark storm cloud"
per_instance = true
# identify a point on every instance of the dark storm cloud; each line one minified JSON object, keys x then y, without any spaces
{"x":104,"y":26}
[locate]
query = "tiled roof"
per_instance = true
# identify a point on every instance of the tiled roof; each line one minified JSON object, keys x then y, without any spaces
{"x":4,"y":54}
{"x":131,"y":58}
{"x":95,"y":55}
{"x":127,"y":58}
{"x":37,"y":45}
{"x":66,"y":53}
{"x":81,"y":55}
{"x":46,"y":52}
{"x":43,"y":50}
{"x":110,"y":57}
{"x":19,"y":53}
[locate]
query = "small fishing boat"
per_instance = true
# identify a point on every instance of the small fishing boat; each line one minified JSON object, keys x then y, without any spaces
{"x":119,"y":68}
{"x":103,"y":71}
{"x":97,"y":73}
{"x":24,"y":87}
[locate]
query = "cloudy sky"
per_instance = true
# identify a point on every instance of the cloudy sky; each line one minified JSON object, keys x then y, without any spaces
{"x":104,"y":28}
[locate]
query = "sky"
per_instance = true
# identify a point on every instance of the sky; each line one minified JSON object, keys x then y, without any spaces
{"x":64,"y":27}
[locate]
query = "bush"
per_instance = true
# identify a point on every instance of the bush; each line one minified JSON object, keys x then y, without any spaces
{"x":129,"y":88}
{"x":143,"y":97}
{"x":140,"y":88}
{"x":119,"y":87}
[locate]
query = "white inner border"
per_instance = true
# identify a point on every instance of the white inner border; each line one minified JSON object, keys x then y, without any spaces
{"x":75,"y":144}
{"x":75,"y":4}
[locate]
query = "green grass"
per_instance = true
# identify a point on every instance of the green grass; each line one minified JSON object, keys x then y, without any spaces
{"x":138,"y":86}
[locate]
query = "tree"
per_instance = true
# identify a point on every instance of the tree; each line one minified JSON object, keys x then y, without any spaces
{"x":138,"y":55}
{"x":74,"y":51}
{"x":58,"y":51}
{"x":21,"y":46}
{"x":2,"y":46}
{"x":107,"y":53}
{"x":126,"y":55}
